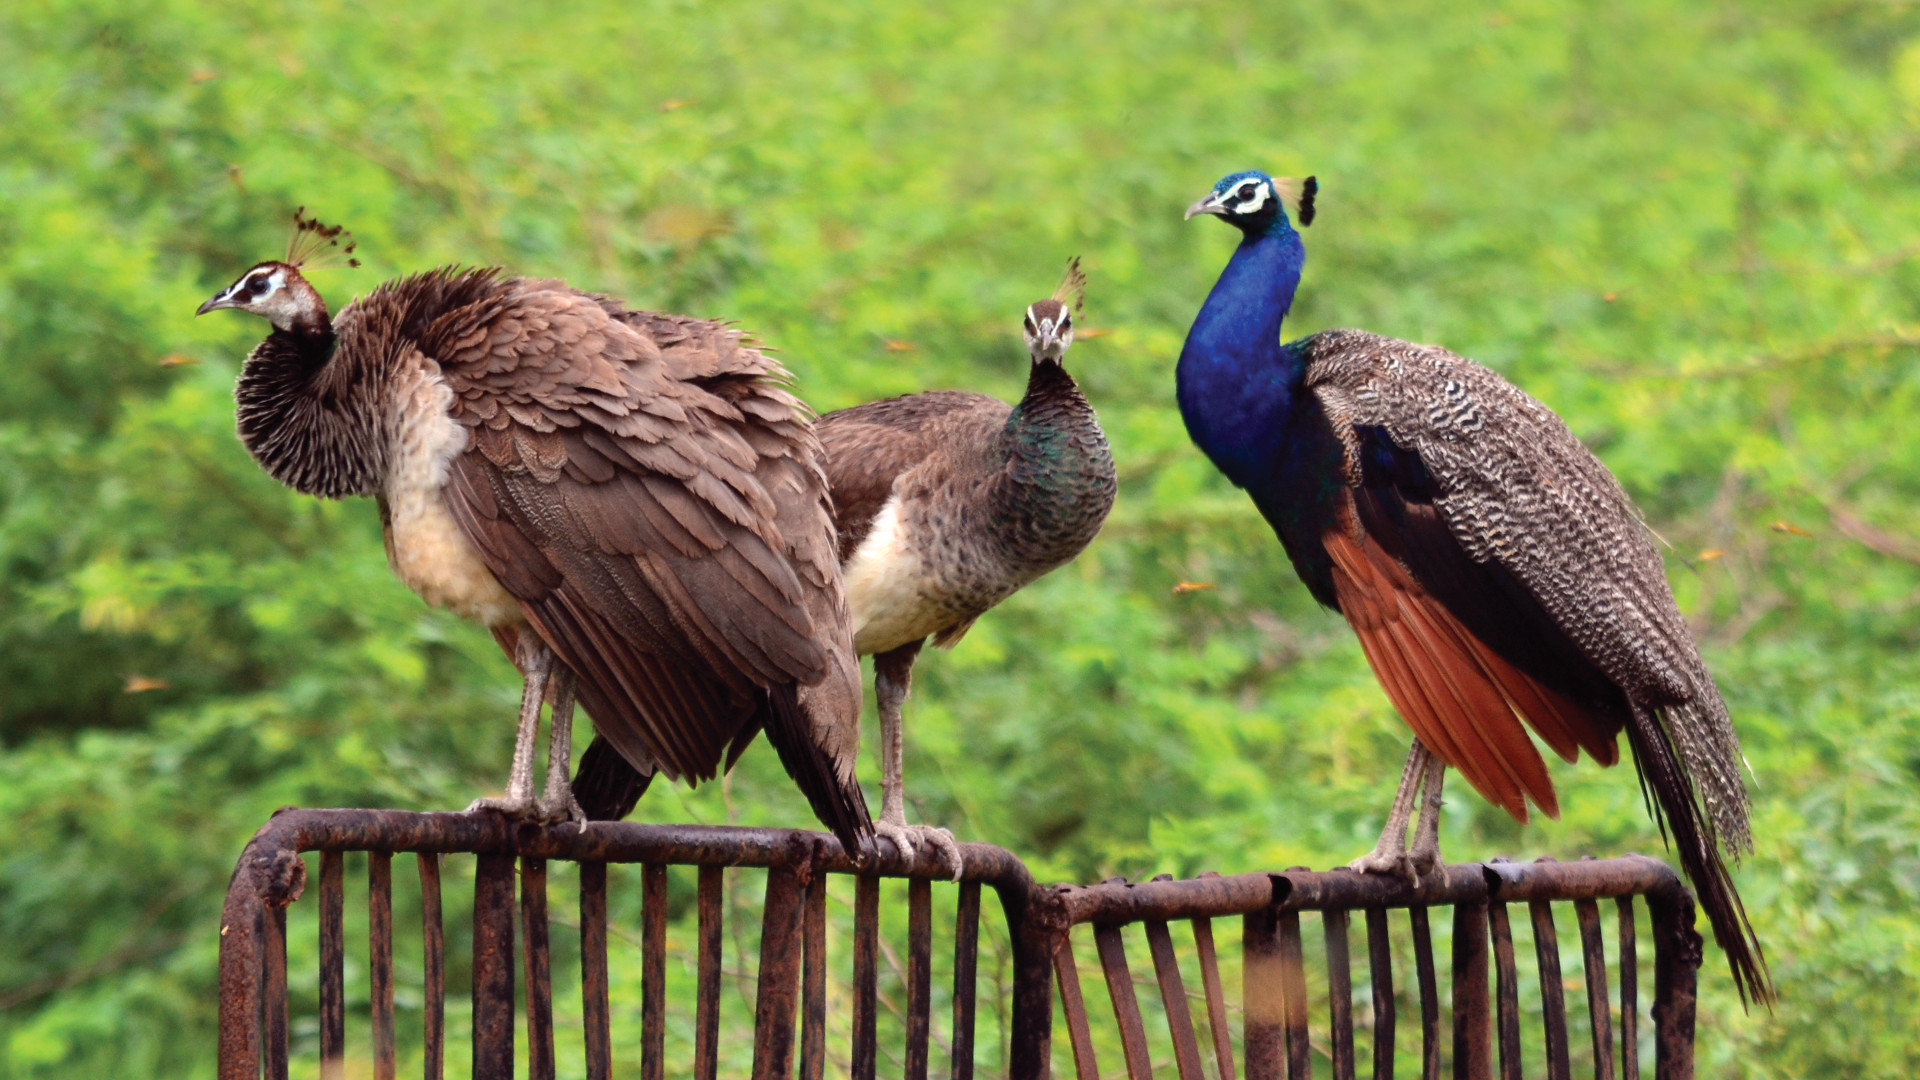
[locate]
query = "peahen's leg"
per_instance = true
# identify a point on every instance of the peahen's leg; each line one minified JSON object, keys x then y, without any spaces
{"x":892,"y":678}
{"x":557,"y":802}
{"x":536,"y":665}
{"x":1389,"y":856}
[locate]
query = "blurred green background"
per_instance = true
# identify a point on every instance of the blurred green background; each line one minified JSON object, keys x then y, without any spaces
{"x":1689,"y":227}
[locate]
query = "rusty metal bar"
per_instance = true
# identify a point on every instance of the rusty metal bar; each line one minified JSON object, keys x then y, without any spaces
{"x":1032,"y":917}
{"x":493,"y":968}
{"x":1553,"y":1000}
{"x":1293,"y":988}
{"x":1595,"y":960}
{"x":1339,"y":992}
{"x":1429,"y":993}
{"x":274,"y":993}
{"x":1173,"y":994}
{"x":594,"y":1016}
{"x":813,"y":983}
{"x":966,"y":959}
{"x":653,"y":971}
{"x":1676,"y":966}
{"x":333,"y":994}
{"x":1078,"y":1033}
{"x":706,"y":1023}
{"x":1216,"y":998}
{"x":1507,"y":992}
{"x":536,"y":957}
{"x":1629,"y":994}
{"x":866,"y":954}
{"x":1472,"y":1041}
{"x":380,"y":959}
{"x":779,"y":986}
{"x":1261,"y":996}
{"x":1380,"y":971}
{"x":433,"y":955}
{"x":919,"y":976}
{"x":1126,"y":1009}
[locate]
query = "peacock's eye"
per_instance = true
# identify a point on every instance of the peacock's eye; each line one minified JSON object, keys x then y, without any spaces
{"x":1246,"y":192}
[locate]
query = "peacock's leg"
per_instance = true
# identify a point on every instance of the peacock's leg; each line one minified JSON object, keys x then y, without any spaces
{"x":1425,"y":855}
{"x":536,"y":665}
{"x":557,"y":803}
{"x":892,"y":678}
{"x":1389,"y":856}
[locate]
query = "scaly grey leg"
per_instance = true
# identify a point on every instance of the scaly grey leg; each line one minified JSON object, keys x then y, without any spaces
{"x":557,"y":804}
{"x":536,"y":664}
{"x":892,"y":678}
{"x":1389,"y":856}
{"x":1425,"y":855}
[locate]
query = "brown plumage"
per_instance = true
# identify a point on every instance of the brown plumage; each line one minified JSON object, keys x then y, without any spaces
{"x":636,"y":493}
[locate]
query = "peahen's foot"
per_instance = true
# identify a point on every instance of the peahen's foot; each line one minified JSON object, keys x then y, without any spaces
{"x":521,"y":808}
{"x":558,"y":808}
{"x":907,"y":837}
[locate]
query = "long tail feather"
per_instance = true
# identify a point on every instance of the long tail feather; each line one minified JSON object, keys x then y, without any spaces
{"x":836,"y":800}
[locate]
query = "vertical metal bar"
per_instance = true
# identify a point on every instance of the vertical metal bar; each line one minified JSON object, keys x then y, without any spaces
{"x":493,"y":968}
{"x":1676,"y":968}
{"x":537,"y":959}
{"x":1173,"y":995}
{"x":594,"y":1015}
{"x":333,"y":996}
{"x":919,"y":976}
{"x":433,"y":949}
{"x":1553,"y":1000}
{"x":1339,"y":991}
{"x":380,"y":959}
{"x":653,"y":971}
{"x":1261,"y":996}
{"x":1029,"y":915}
{"x":1380,"y":968}
{"x":779,"y":987}
{"x":1472,"y":1034}
{"x":706,"y":1022}
{"x":966,"y":957}
{"x":1126,"y":1009}
{"x":1293,"y":989}
{"x":1629,"y":994}
{"x":1595,"y":959}
{"x":273,"y":1031}
{"x":1216,"y":998}
{"x":1429,"y":993}
{"x":813,"y":983}
{"x":866,"y":950}
{"x":1067,"y":972}
{"x":1507,"y":992}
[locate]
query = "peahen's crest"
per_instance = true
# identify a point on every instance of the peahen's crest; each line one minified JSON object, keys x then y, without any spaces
{"x":1073,"y":287}
{"x":314,"y":245}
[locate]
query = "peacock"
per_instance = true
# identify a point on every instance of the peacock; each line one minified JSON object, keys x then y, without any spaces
{"x":631,"y":502}
{"x":1496,"y":574}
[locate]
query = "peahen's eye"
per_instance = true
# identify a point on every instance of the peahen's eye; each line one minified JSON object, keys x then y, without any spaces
{"x":1028,"y":322}
{"x":258,"y":286}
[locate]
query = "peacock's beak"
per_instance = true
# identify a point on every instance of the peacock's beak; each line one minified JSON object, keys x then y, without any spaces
{"x":1209,"y":205}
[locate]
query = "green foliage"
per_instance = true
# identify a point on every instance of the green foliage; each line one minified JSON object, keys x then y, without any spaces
{"x":1685,"y":226}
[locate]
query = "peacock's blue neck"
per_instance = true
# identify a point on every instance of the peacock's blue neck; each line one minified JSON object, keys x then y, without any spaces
{"x":1237,"y":383}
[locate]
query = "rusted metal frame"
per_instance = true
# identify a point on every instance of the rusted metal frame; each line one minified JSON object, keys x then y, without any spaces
{"x":333,"y":994}
{"x":1079,"y":1034}
{"x":1507,"y":992}
{"x":1629,"y":993}
{"x":1173,"y":994}
{"x":777,"y":995}
{"x":1553,"y":1000}
{"x":1293,"y":990}
{"x":433,"y":957}
{"x":966,"y":955}
{"x":653,"y":971}
{"x":1126,"y":1008}
{"x":493,"y":916}
{"x":1472,"y":1034}
{"x":1339,"y":992}
{"x":706,"y":1023}
{"x":1594,"y":959}
{"x":813,"y":982}
{"x":1676,"y":967}
{"x":275,"y":994}
{"x":1429,"y":993}
{"x":1261,"y":997}
{"x":1216,"y":998}
{"x":380,"y":960}
{"x":866,"y":974}
{"x":537,"y":961}
{"x":919,"y":977}
{"x":594,"y":1013}
{"x":1380,"y":973}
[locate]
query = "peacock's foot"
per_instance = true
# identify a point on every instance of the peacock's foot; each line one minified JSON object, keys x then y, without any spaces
{"x":1390,"y":859}
{"x":1424,"y":860}
{"x":907,"y":838}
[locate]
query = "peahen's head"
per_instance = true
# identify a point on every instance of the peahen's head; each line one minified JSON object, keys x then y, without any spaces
{"x":276,"y":291}
{"x":1048,"y":327}
{"x":1256,"y":203}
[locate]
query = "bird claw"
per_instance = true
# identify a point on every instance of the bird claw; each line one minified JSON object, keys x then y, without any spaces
{"x":548,"y":811}
{"x":561,"y":809}
{"x":517,"y":809}
{"x":906,"y":838}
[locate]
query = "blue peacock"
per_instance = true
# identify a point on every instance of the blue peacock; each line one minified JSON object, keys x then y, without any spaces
{"x":1496,"y":574}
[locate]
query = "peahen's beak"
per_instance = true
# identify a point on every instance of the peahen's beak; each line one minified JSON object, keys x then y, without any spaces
{"x":215,"y":303}
{"x":1209,"y":205}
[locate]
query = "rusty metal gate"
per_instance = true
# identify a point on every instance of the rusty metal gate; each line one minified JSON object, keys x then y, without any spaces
{"x":791,"y":976}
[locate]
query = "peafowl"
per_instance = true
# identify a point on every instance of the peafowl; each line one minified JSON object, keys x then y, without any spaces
{"x":1493,"y":569}
{"x":630,"y":501}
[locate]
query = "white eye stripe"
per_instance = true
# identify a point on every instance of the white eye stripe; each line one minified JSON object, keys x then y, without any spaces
{"x":1254,"y":202}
